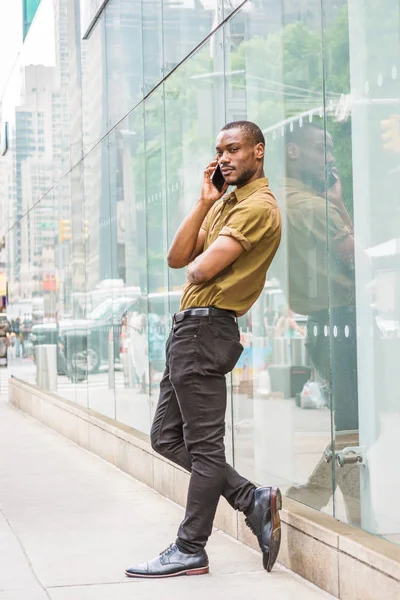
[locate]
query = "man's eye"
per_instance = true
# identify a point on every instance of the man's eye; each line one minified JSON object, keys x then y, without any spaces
{"x":234,"y":149}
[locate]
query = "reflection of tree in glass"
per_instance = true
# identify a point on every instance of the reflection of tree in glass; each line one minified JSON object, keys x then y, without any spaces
{"x":282,"y":76}
{"x":172,"y":134}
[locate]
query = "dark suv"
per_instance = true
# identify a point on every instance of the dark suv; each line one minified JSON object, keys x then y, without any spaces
{"x":83,"y":343}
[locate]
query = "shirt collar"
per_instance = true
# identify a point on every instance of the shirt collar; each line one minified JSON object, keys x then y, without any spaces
{"x":247,"y":190}
{"x":291,"y":186}
{"x":294,"y":183}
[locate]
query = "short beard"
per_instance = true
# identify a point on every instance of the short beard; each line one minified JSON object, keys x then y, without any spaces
{"x":243,"y":178}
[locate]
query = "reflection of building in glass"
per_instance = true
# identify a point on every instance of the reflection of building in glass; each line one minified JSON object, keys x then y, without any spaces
{"x":33,"y":168}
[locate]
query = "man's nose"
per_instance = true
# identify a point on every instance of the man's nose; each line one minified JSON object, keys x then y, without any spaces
{"x":225,"y":158}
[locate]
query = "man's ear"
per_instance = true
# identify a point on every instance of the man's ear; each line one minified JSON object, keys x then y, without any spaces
{"x":260,"y":150}
{"x":293,"y":151}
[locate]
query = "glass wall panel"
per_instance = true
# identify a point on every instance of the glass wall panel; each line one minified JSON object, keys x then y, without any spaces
{"x":281,"y":395}
{"x":152,"y":44}
{"x":96,"y":349}
{"x":341,"y":323}
{"x":68,"y":296}
{"x":157,"y":248}
{"x":185,"y":25}
{"x":362,"y":90}
{"x":73,"y":328}
{"x":124,"y":59}
{"x":132,"y":383}
{"x":94,"y":86}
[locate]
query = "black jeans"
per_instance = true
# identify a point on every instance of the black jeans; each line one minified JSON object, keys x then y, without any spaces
{"x":189,"y":424}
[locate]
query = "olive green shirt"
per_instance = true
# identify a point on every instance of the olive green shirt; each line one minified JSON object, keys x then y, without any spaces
{"x":250,"y":215}
{"x":318,"y":278}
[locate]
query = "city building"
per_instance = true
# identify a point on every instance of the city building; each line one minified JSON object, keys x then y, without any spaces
{"x":29,"y":10}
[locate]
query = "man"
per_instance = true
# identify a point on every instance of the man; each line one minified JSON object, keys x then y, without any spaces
{"x":227,"y":244}
{"x":3,"y":340}
{"x":320,"y":244}
{"x":17,"y":331}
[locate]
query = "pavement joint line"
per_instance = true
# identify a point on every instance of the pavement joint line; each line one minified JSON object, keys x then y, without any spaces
{"x":94,"y":583}
{"x":144,"y":579}
{"x":26,"y":555}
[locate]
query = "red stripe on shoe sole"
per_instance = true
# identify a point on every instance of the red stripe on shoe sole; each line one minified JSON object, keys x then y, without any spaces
{"x":199,"y":571}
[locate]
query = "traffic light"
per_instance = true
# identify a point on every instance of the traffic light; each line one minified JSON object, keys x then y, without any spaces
{"x":64,"y":230}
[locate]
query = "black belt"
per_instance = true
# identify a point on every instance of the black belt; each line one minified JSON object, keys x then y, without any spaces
{"x":204,"y":312}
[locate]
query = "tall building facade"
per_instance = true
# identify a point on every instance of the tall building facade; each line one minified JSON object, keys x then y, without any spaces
{"x":111,"y":113}
{"x":29,"y":10}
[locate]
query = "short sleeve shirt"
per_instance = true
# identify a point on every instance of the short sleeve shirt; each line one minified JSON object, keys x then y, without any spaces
{"x":317,"y":278}
{"x":251,"y":215}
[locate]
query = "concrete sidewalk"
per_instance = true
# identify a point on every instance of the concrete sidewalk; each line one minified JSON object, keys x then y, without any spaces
{"x":70,"y":523}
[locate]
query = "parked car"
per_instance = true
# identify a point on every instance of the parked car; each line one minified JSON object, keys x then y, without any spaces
{"x":83,"y":343}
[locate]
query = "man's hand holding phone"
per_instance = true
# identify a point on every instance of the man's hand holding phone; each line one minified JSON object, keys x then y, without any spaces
{"x":335,"y":197}
{"x":334,"y":188}
{"x":210,"y":193}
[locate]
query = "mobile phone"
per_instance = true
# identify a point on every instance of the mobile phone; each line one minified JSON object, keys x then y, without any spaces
{"x":217,"y":179}
{"x":332,"y":178}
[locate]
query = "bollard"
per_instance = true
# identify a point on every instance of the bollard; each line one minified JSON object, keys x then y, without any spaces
{"x":46,"y":366}
{"x":281,"y":351}
{"x":298,"y":352}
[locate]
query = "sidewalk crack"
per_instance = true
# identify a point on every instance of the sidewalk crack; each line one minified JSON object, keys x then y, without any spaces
{"x":24,"y":552}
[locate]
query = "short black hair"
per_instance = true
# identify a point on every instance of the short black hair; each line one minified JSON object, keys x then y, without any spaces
{"x":252,"y":131}
{"x":300,"y":135}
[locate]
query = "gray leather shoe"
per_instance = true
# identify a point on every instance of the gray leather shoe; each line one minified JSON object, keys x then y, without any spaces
{"x":171,"y":563}
{"x":264,"y":521}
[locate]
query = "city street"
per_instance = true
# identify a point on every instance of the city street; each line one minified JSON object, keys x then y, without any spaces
{"x":70,"y":523}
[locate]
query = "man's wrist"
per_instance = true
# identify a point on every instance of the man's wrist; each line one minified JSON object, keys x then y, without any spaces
{"x":205,"y":204}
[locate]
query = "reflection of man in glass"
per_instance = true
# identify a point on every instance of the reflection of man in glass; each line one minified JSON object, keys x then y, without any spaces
{"x":138,"y":341}
{"x":227,"y":243}
{"x":321,"y":281}
{"x":3,"y":340}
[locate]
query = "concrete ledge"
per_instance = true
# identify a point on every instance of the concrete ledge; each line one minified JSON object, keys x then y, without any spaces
{"x":346,"y":562}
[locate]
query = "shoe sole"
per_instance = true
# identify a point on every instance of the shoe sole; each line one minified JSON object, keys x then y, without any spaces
{"x":199,"y":571}
{"x":270,"y":557}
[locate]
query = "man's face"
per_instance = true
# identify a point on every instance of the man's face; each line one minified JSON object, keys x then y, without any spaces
{"x":312,"y":157}
{"x":238,"y":158}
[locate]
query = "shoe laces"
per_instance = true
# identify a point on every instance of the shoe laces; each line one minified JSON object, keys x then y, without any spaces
{"x":168,"y":551}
